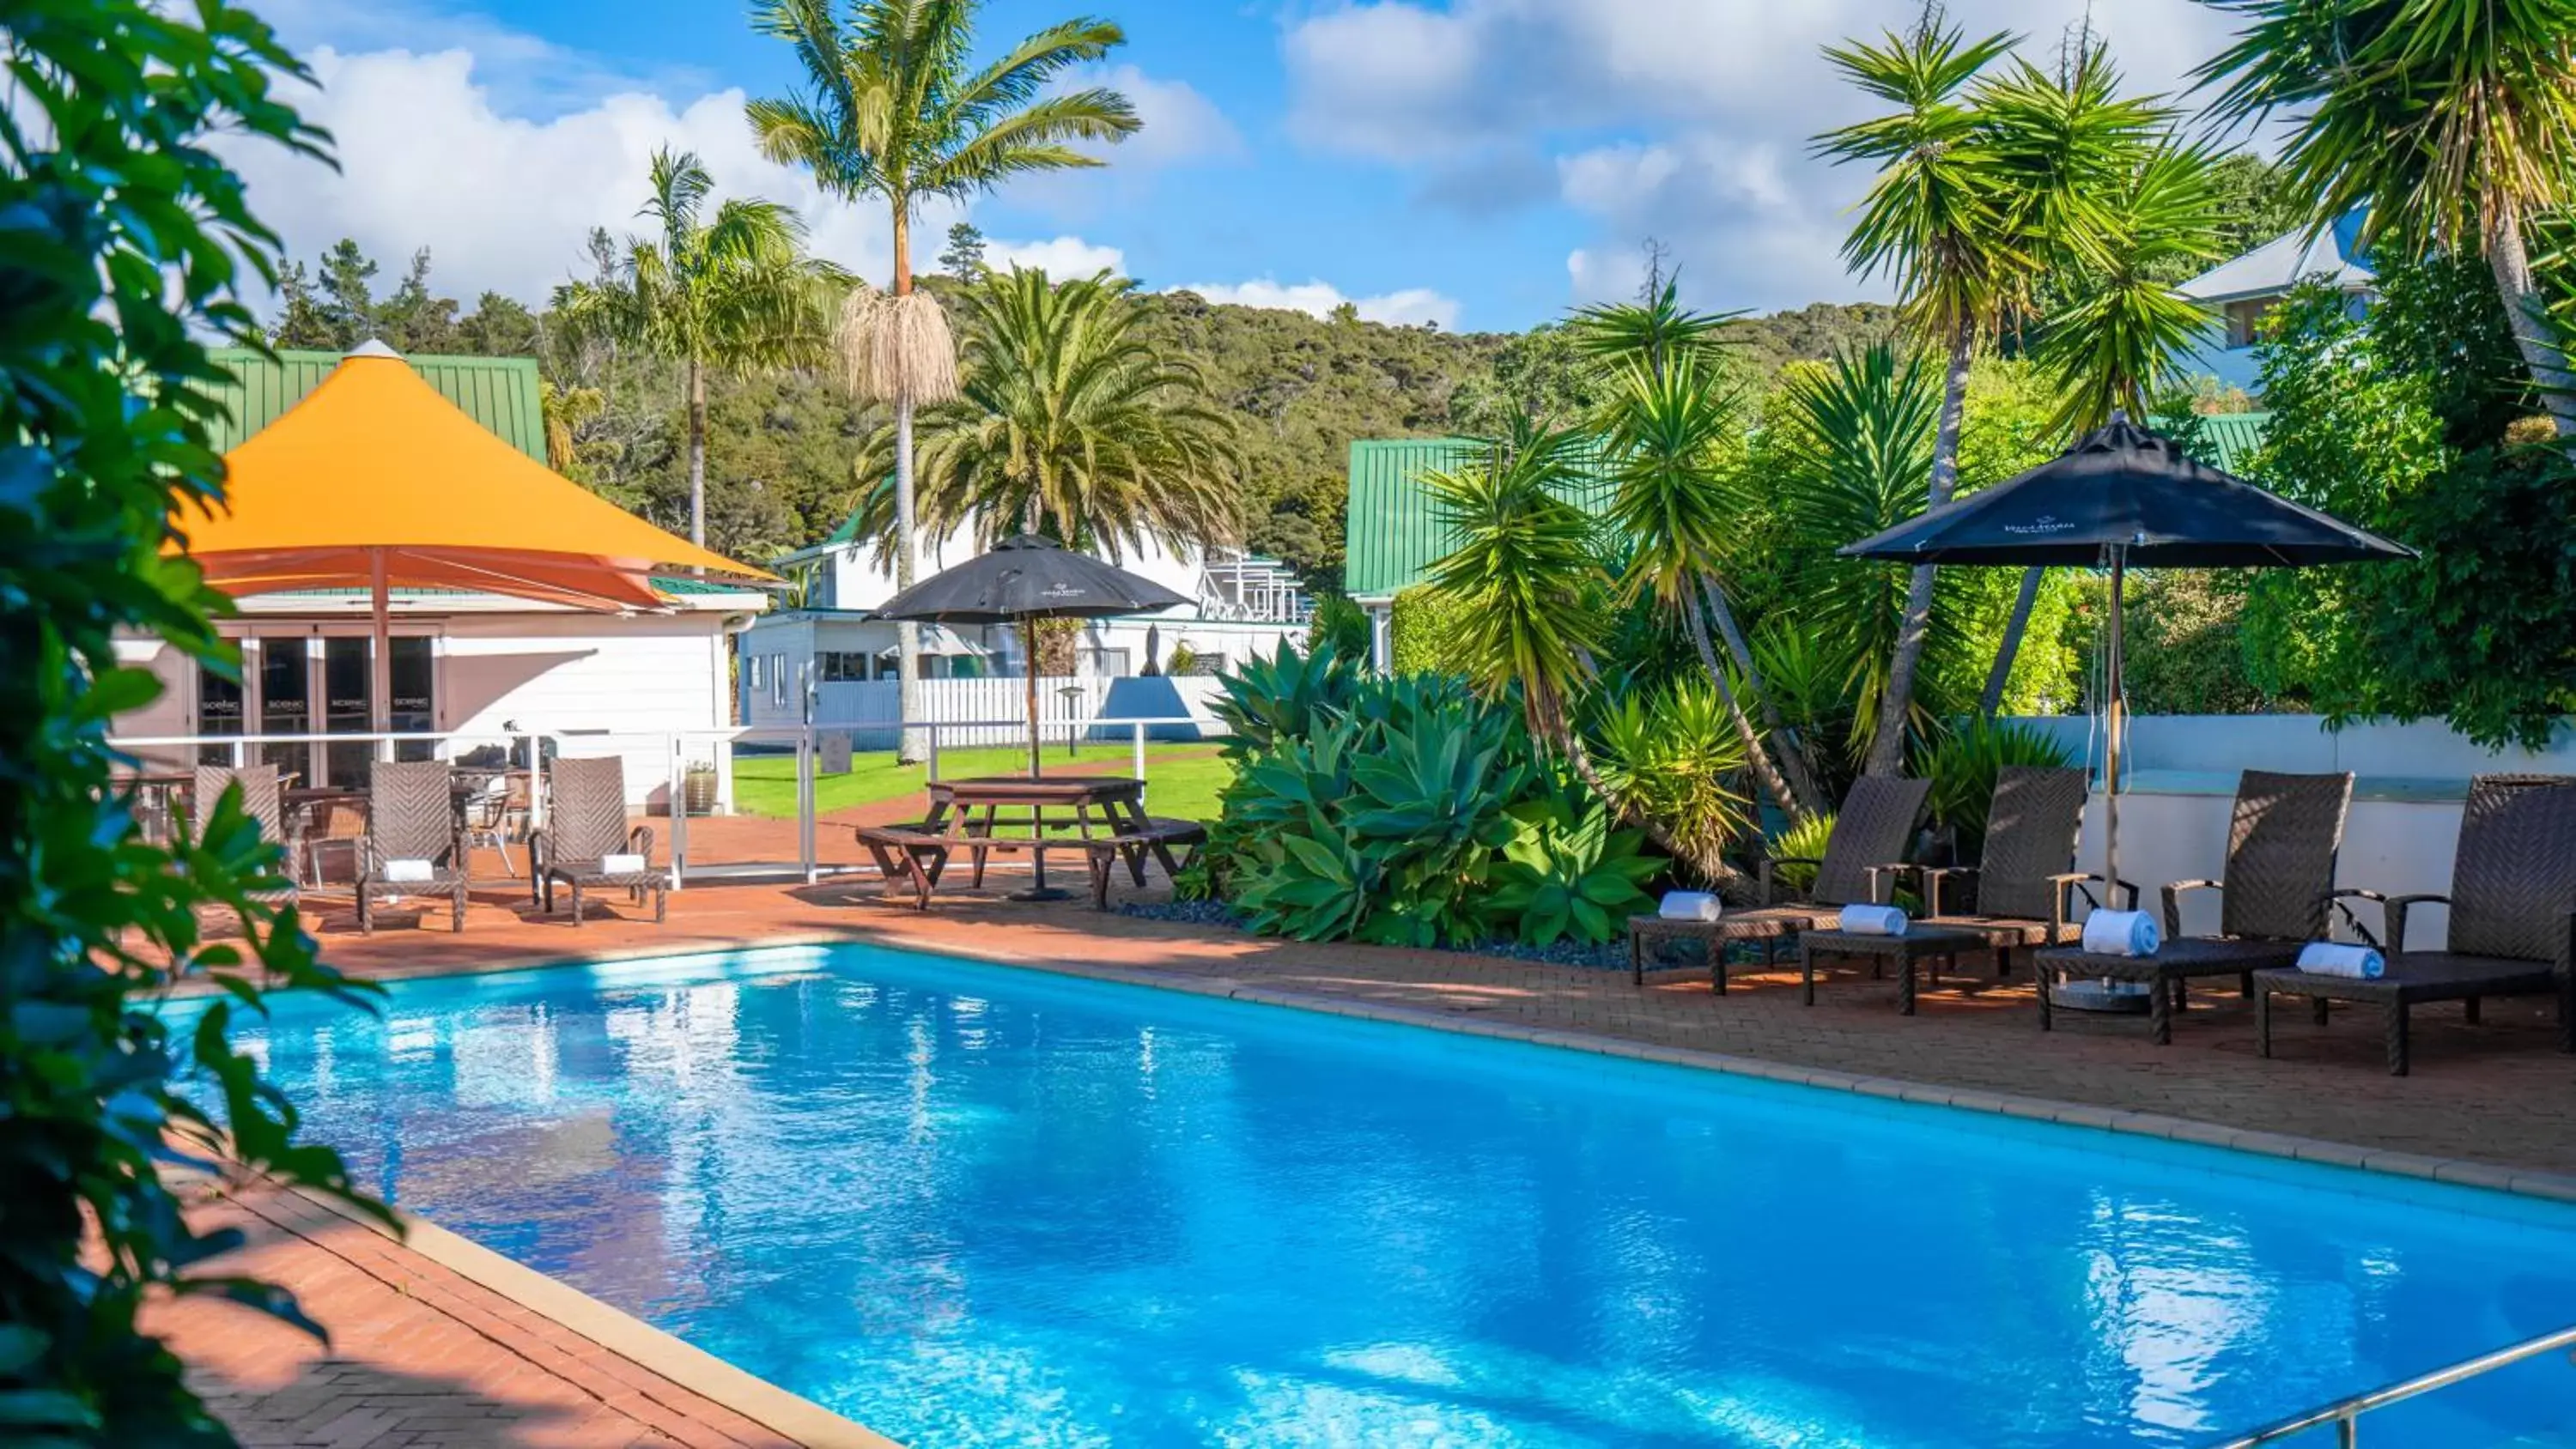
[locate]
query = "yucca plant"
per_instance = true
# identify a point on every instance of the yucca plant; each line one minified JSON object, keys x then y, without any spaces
{"x":1674,"y":757}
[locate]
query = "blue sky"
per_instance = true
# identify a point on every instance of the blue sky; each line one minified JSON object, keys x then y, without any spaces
{"x":1476,"y":163}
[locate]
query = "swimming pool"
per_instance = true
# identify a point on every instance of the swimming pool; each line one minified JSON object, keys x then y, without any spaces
{"x":976,"y":1205}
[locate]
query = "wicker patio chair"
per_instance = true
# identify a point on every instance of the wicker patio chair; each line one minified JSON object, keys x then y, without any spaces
{"x":2021,"y":892}
{"x":411,"y":815}
{"x":586,"y":824}
{"x":263,"y":800}
{"x":2513,"y":920}
{"x":1862,"y":858}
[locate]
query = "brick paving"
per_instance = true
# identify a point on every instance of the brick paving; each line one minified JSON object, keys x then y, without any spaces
{"x":427,"y":1367}
{"x":420,"y":1357}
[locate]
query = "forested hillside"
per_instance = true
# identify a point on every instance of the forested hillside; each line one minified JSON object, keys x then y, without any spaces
{"x":780,"y":446}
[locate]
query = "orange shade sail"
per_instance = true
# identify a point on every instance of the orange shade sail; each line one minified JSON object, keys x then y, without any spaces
{"x":375,"y":465}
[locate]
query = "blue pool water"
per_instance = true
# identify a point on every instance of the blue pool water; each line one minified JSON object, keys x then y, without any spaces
{"x":971,"y":1205}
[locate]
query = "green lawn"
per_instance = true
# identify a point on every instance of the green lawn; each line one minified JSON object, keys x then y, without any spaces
{"x":1180,"y":780}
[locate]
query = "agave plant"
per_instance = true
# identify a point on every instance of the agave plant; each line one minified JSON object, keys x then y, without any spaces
{"x":1287,"y":696}
{"x":1568,"y":872}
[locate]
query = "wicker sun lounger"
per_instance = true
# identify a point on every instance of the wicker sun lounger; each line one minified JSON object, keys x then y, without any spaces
{"x":585,"y":825}
{"x":2278,"y":889}
{"x":2513,"y":920}
{"x":411,"y":815}
{"x":2024,"y":883}
{"x":1862,"y":858}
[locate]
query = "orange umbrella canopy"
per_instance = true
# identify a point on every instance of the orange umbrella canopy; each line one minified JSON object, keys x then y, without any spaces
{"x":373,"y":469}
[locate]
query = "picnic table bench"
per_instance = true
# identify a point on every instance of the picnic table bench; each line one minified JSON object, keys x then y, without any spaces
{"x":915,"y":855}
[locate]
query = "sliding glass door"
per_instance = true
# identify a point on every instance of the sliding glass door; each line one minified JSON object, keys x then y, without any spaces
{"x":308,"y":683}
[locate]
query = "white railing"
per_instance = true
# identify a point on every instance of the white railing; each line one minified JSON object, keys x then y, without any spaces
{"x":2346,"y":1414}
{"x":669,"y":756}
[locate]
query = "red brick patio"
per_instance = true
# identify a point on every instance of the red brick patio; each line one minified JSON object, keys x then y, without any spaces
{"x":426,"y":1357}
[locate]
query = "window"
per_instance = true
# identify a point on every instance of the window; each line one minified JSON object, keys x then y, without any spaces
{"x":2245,"y":320}
{"x":1105,"y":663}
{"x":751,"y":672}
{"x":841,"y":668}
{"x":778,"y":680}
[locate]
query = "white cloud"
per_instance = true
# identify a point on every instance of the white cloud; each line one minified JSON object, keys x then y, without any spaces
{"x":1408,"y":307}
{"x":1689,"y":123}
{"x":429,"y":157}
{"x":1058,"y":257}
{"x":1178,"y":125}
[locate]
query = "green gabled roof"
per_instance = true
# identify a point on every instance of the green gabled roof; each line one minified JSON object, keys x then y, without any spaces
{"x":1391,"y":533}
{"x":2233,"y":437}
{"x":501,"y":393}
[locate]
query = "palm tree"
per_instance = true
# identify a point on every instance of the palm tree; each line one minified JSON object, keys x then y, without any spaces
{"x":892,"y":107}
{"x":2449,"y":125}
{"x":1937,"y":219}
{"x":1852,"y":455}
{"x":2123,"y":324}
{"x":1669,"y":430}
{"x":732,"y":292}
{"x":1986,"y":183}
{"x":1069,"y":423}
{"x":1527,"y":576}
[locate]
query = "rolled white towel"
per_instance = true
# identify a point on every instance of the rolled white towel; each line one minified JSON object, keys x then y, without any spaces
{"x":1690,"y":906}
{"x":621,"y":865}
{"x":2122,"y":933}
{"x":403,"y":871}
{"x":1873,"y":921}
{"x":2334,"y":958}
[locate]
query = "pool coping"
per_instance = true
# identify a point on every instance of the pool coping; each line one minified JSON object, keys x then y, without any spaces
{"x":792,"y":1416}
{"x":2549,"y":1186}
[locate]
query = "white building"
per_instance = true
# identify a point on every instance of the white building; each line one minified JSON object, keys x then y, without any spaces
{"x":2239,"y":294}
{"x":1244,"y":605}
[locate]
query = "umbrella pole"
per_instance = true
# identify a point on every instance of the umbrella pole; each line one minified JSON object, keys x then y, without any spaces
{"x":380,"y":661}
{"x":1029,"y":671}
{"x":2115,"y":713}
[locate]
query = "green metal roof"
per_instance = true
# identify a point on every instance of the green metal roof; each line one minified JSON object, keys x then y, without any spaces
{"x":1391,"y":532}
{"x":2233,"y":437}
{"x":501,"y":393}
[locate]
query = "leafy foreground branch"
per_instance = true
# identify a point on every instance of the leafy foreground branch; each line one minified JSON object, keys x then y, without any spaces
{"x":123,"y":241}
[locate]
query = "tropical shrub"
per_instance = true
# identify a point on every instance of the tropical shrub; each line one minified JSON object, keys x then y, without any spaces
{"x":2405,"y":421}
{"x":1674,"y":757}
{"x":1570,"y":872}
{"x":1962,"y":766}
{"x":1799,"y":848}
{"x":1342,"y":624}
{"x":1424,"y":627}
{"x":128,"y":241}
{"x":1407,"y":811}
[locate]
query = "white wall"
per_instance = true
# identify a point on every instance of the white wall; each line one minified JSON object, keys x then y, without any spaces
{"x":2179,"y":780}
{"x":581,"y":674}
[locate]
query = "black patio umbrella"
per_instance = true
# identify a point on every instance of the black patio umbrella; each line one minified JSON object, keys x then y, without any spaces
{"x":2124,"y":496}
{"x":1024,"y":579}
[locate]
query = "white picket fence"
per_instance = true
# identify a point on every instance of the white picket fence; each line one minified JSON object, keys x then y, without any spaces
{"x":1064,"y":703}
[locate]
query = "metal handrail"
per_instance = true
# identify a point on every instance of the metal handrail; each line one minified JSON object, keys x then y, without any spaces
{"x":2345,"y":1414}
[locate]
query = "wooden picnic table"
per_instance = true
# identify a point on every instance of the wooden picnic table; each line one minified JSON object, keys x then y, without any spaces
{"x":1111,"y":804}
